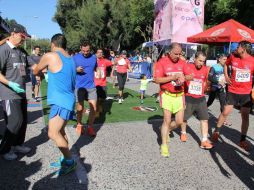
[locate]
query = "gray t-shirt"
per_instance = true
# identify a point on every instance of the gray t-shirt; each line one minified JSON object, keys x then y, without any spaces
{"x":33,"y":59}
{"x":13,"y":64}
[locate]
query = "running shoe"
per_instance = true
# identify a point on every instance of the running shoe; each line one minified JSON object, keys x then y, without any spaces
{"x":183,"y":137}
{"x":164,"y":150}
{"x":80,"y":129}
{"x":66,"y":169}
{"x":91,"y":132}
{"x":58,"y":163}
{"x":120,"y":101}
{"x":206,"y":145}
{"x":215,"y":136}
{"x":245,"y":145}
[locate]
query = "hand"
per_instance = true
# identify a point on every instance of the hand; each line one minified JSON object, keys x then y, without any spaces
{"x":228,"y":80}
{"x":16,"y":87}
{"x":80,"y":69}
{"x":46,"y":77}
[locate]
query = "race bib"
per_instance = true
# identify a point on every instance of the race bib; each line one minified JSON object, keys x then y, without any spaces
{"x":222,"y":78}
{"x":121,"y":62}
{"x":242,"y":75}
{"x":195,"y":88}
{"x":99,"y":73}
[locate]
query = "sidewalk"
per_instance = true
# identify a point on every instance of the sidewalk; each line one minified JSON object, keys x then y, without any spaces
{"x":127,"y":156}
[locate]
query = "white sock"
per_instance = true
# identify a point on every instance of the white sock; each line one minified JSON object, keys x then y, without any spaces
{"x":204,"y":139}
{"x":183,"y":132}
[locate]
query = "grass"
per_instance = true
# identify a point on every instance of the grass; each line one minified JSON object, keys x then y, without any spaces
{"x":114,"y":112}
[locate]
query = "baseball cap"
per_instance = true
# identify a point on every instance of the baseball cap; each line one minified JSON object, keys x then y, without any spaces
{"x":124,"y":52}
{"x":18,"y":28}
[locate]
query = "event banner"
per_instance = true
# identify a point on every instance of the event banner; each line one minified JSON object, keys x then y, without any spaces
{"x":162,"y":21}
{"x":178,"y":19}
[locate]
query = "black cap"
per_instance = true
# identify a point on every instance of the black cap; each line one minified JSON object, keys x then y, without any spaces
{"x":18,"y":28}
{"x":124,"y":52}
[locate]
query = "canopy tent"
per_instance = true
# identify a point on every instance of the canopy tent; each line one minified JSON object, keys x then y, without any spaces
{"x":229,"y":31}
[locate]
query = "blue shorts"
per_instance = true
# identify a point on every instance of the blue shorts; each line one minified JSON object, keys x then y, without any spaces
{"x":62,"y":112}
{"x":142,"y":92}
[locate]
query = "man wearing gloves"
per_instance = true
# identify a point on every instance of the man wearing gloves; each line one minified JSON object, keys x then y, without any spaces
{"x":12,"y":92}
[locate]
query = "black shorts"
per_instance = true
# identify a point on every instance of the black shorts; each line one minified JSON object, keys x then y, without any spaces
{"x":242,"y":100}
{"x":101,"y":92}
{"x":196,"y":105}
{"x":86,"y":94}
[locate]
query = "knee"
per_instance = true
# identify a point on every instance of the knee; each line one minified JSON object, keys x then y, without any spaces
{"x":79,"y":108}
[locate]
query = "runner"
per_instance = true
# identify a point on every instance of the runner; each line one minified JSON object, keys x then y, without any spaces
{"x":12,"y":92}
{"x":195,"y":98}
{"x":114,"y":68}
{"x":100,"y":79}
{"x":123,"y":64}
{"x":169,"y":74}
{"x":61,"y":98}
{"x":36,"y":80}
{"x":218,"y":83}
{"x":239,"y":89}
{"x":86,"y":64}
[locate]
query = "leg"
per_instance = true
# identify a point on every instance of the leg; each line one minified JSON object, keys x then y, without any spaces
{"x":205,"y":144}
{"x":211,"y":98}
{"x":223,"y":116}
{"x":92,"y":106}
{"x":56,"y":125}
{"x":165,"y":126}
{"x":245,"y":120}
{"x":80,"y":108}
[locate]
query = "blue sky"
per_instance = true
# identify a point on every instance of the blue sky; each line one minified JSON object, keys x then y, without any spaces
{"x":35,"y":15}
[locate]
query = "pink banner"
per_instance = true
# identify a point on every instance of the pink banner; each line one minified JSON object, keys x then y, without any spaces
{"x":178,"y":19}
{"x":187,"y":19}
{"x":162,"y":29}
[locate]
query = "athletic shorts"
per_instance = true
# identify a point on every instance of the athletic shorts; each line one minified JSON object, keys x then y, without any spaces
{"x":196,"y":105}
{"x":86,"y":94}
{"x":242,"y":100}
{"x":171,"y":102}
{"x":62,"y":112}
{"x":33,"y":79}
{"x":142,"y":92}
{"x":101,"y":92}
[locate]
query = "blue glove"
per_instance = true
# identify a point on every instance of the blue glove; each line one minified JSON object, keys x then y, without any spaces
{"x":46,"y":77}
{"x":16,"y":87}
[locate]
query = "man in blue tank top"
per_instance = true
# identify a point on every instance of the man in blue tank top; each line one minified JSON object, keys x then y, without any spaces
{"x":86,"y":64}
{"x":61,"y":98}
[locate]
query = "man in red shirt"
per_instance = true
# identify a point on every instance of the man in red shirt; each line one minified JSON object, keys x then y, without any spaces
{"x":195,"y":98}
{"x":169,"y":74}
{"x":239,"y":89}
{"x":123,"y":64}
{"x":100,"y":79}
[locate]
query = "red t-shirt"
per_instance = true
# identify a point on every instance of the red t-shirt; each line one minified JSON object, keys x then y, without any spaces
{"x":196,"y":87}
{"x":101,"y":74}
{"x":241,"y":74}
{"x":165,"y":67}
{"x":122,"y":65}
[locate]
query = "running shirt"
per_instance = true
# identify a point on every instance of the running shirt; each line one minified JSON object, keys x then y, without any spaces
{"x":101,"y":73}
{"x":13,"y":63}
{"x":165,"y":67}
{"x":196,"y":87}
{"x":61,"y":85}
{"x":89,"y":64}
{"x":122,"y":65}
{"x":241,"y":74}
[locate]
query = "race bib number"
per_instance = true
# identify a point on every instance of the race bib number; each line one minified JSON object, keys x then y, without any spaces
{"x":222,"y":78}
{"x":242,"y":75}
{"x":99,"y":73}
{"x":195,"y":88}
{"x":121,"y":62}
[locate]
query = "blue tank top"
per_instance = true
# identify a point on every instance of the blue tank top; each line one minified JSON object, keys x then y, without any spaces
{"x":61,"y":84}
